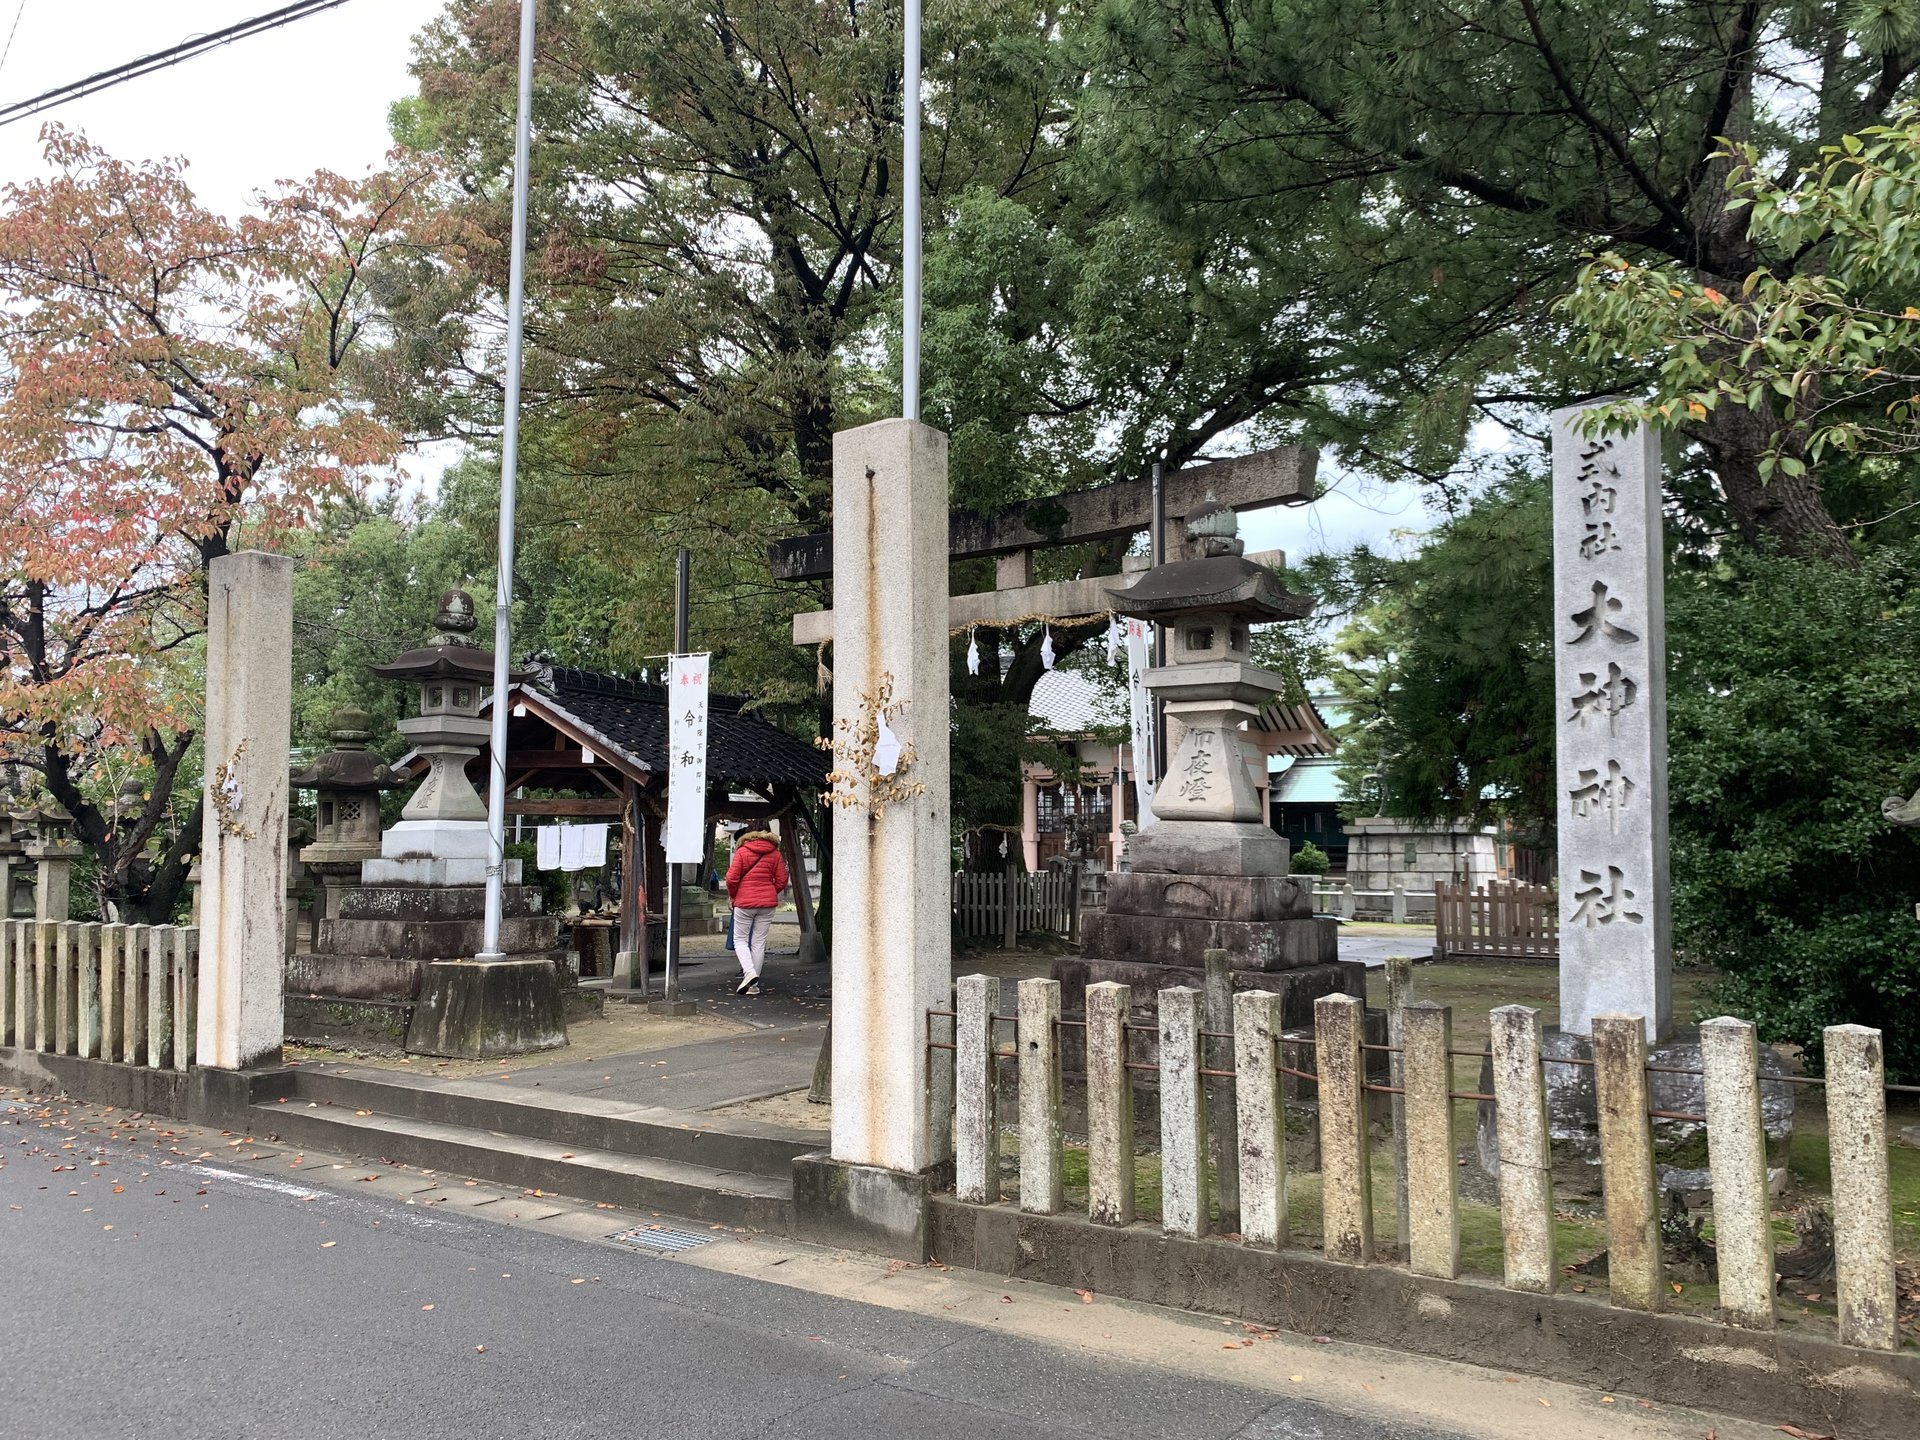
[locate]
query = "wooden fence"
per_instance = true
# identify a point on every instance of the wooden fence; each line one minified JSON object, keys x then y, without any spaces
{"x":126,"y":993}
{"x":1046,"y":902}
{"x":1502,"y":922}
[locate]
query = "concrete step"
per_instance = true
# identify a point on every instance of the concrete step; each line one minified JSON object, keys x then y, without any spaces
{"x":572,"y":1122}
{"x":633,"y":1182}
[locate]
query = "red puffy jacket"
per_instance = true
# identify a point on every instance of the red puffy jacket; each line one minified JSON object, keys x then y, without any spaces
{"x":758,"y":874}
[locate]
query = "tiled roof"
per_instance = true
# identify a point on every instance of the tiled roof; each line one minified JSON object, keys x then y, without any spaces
{"x":741,"y":749}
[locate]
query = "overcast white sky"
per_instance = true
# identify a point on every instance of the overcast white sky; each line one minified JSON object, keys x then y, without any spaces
{"x":315,"y":93}
{"x":275,"y":106}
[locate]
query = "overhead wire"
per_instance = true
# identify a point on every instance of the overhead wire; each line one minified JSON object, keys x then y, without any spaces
{"x":160,"y":59}
{"x":12,"y":31}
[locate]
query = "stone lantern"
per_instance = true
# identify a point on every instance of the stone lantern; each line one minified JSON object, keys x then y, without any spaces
{"x":1207,"y":874}
{"x":347,"y":780}
{"x":445,"y":818}
{"x":16,"y":879}
{"x":399,"y":961}
{"x":51,"y":847}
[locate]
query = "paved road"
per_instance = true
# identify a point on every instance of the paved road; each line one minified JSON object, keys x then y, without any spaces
{"x":192,"y":1300}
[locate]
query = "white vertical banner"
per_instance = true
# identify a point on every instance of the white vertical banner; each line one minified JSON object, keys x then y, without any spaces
{"x":1140,"y":712}
{"x":686,"y":833}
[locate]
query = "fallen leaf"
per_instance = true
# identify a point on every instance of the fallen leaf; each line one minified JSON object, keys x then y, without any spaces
{"x":1086,"y":1296}
{"x":328,"y":1244}
{"x":1006,"y":1299}
{"x":1296,"y":1379}
{"x":578,"y":1281}
{"x":1798,"y":1434}
{"x":1677,"y":1286}
{"x":1547,"y":1403}
{"x":426,"y":1307}
{"x":480,"y":1349}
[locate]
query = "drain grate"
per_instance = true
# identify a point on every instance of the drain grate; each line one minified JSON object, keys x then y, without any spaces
{"x":659,"y":1237}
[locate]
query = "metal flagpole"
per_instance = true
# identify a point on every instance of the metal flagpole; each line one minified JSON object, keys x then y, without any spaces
{"x":509,"y":463}
{"x":910,"y":225}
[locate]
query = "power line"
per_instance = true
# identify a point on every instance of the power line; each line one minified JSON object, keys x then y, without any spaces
{"x":20,"y":10}
{"x":161,"y":59}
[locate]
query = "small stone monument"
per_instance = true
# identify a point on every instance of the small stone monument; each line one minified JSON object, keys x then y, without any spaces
{"x":1209,"y":875}
{"x":396,"y":966}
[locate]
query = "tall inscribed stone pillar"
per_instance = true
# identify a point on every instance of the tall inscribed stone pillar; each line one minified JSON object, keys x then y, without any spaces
{"x":891,"y":861}
{"x":243,"y":843}
{"x":1610,"y":663}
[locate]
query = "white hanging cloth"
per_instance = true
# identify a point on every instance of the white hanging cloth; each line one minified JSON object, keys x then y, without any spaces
{"x":583,"y":847}
{"x":546,"y":847}
{"x":571,"y":849}
{"x":1046,"y":648}
{"x":973,"y":653}
{"x":1115,"y":637}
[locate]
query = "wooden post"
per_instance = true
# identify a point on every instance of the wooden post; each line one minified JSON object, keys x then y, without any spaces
{"x":1635,"y":1268}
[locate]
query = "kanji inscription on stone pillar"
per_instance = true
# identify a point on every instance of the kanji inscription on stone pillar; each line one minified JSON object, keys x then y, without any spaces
{"x":1611,"y":725}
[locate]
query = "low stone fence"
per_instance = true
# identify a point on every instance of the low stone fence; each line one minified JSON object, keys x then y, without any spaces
{"x":125,"y":993}
{"x":1249,"y":1138}
{"x":1401,"y":905}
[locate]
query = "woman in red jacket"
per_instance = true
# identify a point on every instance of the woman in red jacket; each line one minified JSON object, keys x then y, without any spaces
{"x":755,"y":879}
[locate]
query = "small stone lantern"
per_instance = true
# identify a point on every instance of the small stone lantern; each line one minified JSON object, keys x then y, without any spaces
{"x":347,"y":780}
{"x":52,"y":847}
{"x":16,"y":879}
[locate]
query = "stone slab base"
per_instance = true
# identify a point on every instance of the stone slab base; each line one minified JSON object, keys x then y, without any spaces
{"x":1208,"y":847}
{"x":860,"y":1207}
{"x":333,"y":1023}
{"x":352,"y":977}
{"x":480,"y":1009}
{"x":1211,"y":897}
{"x":1577,"y":1339}
{"x":1183,"y":940}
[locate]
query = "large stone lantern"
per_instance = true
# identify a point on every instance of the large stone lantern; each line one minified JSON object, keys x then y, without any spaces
{"x":1209,"y":874}
{"x":398,"y":962}
{"x":445,"y":818}
{"x":347,"y":780}
{"x":52,"y":847}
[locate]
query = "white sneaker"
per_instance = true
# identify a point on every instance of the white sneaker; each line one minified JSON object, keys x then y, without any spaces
{"x":745,"y":985}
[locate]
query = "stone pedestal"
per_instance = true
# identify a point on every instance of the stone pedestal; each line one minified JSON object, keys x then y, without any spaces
{"x":480,"y":1009}
{"x":243,"y":845}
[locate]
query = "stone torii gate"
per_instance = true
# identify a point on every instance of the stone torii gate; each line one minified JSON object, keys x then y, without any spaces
{"x":1281,"y":476}
{"x":891,"y":618}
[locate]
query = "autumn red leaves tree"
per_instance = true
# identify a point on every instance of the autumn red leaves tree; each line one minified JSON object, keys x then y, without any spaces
{"x":171,"y":381}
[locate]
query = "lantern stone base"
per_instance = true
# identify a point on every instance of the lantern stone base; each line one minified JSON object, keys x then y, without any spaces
{"x":1208,"y":847}
{"x":370,"y":979}
{"x":480,"y":1009}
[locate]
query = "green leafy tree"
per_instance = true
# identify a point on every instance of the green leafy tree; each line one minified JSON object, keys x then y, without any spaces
{"x":1448,"y":666}
{"x":1460,"y":161}
{"x":1825,"y":353}
{"x":714,"y":293}
{"x":1791,"y":701}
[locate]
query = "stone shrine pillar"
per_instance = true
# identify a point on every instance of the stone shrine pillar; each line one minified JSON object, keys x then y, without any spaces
{"x":243,"y":844}
{"x":1610,"y":680}
{"x":892,"y":847}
